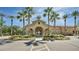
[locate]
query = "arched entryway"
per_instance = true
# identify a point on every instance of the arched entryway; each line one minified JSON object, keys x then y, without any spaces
{"x":39,"y":31}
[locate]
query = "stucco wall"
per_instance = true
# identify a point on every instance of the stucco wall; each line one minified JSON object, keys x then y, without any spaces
{"x":44,"y":26}
{"x":36,"y":24}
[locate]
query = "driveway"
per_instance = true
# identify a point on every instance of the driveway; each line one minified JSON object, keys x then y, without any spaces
{"x":57,"y":45}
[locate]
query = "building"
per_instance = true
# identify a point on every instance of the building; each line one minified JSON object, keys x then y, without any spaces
{"x":40,"y":28}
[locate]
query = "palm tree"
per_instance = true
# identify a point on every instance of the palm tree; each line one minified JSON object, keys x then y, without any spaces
{"x":1,"y":23}
{"x":75,"y":14}
{"x":47,"y":12}
{"x":11,"y":17}
{"x":30,"y":12}
{"x":65,"y":18}
{"x":22,"y":16}
{"x":54,"y":17}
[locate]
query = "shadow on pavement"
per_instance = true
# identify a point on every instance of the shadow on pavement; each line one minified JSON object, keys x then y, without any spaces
{"x":33,"y":42}
{"x":5,"y":41}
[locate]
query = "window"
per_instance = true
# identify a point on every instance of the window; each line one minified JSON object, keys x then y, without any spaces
{"x":38,"y":22}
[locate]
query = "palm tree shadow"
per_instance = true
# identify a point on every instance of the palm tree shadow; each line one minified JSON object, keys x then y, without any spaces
{"x":41,"y":42}
{"x":5,"y":41}
{"x":34,"y":43}
{"x":29,"y":43}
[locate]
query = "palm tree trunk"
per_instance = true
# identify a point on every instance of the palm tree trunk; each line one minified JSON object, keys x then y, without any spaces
{"x":11,"y":26}
{"x":1,"y":30}
{"x":54,"y":23}
{"x":23,"y":26}
{"x":1,"y":26}
{"x":48,"y":24}
{"x":75,"y":25}
{"x":65,"y":26}
{"x":28,"y":17}
{"x":28,"y":21}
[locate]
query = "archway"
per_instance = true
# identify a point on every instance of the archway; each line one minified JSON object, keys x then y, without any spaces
{"x":39,"y":31}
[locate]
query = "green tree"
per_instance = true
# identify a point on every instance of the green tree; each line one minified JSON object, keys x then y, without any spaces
{"x":22,"y":16}
{"x":11,"y":18}
{"x":65,"y":18}
{"x":30,"y":13}
{"x":1,"y":23}
{"x":17,"y":30}
{"x":54,"y":17}
{"x":75,"y":14}
{"x":78,"y":27}
{"x":6,"y":30}
{"x":47,"y":12}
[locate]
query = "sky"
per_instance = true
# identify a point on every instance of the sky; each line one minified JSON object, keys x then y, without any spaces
{"x":39,"y":11}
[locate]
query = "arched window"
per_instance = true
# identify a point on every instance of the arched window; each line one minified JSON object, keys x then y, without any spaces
{"x":38,"y":22}
{"x":30,"y":31}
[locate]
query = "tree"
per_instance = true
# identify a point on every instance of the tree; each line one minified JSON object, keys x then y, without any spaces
{"x":1,"y":23}
{"x":17,"y":30}
{"x":75,"y":14}
{"x":11,"y":18}
{"x":78,"y":27}
{"x":6,"y":30}
{"x":65,"y":18}
{"x":54,"y":17}
{"x":22,"y":16}
{"x":30,"y":12}
{"x":47,"y":12}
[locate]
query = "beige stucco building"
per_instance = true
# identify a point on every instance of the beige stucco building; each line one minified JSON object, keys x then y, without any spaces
{"x":40,"y":28}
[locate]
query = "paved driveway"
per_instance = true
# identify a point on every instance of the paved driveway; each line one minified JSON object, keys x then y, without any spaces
{"x":57,"y":45}
{"x":63,"y":46}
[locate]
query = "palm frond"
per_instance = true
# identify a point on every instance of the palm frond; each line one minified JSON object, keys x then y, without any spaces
{"x":75,"y":13}
{"x":20,"y":20}
{"x":44,"y":15}
{"x":65,"y":16}
{"x":11,"y":17}
{"x":17,"y":17}
{"x":1,"y":14}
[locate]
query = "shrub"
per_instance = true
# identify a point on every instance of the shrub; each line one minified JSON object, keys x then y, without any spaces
{"x":59,"y":38}
{"x":45,"y":38}
{"x":48,"y":38}
{"x":54,"y":37}
{"x":20,"y":37}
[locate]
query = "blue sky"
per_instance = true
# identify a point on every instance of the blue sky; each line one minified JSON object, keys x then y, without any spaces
{"x":39,"y":11}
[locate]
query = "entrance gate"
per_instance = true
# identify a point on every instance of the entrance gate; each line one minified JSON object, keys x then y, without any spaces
{"x":39,"y":31}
